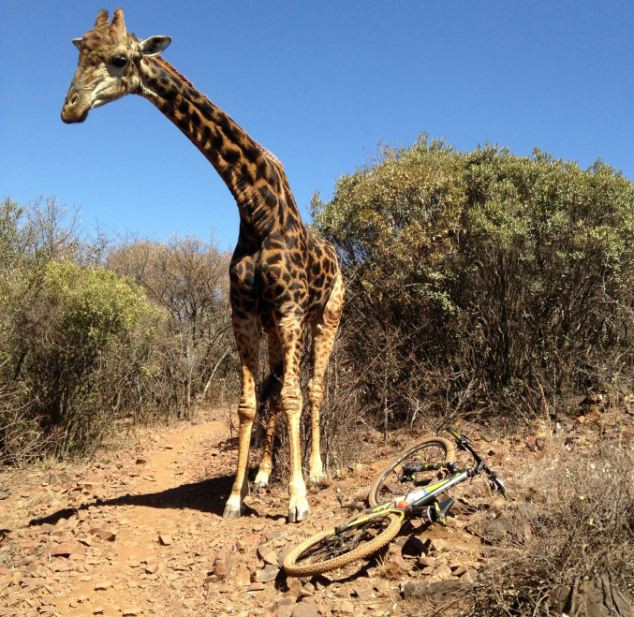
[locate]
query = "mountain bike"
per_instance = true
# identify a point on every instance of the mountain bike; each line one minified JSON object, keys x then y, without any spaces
{"x":409,"y":487}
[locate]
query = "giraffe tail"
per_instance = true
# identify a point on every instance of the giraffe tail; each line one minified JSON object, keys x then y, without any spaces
{"x":270,"y":388}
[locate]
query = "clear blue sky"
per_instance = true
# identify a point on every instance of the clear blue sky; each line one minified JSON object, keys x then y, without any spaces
{"x":320,"y":84}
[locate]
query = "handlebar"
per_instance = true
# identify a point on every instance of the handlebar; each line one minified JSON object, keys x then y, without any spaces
{"x":464,"y":443}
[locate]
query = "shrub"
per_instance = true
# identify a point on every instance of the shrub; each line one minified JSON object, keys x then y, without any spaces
{"x":189,"y":279}
{"x":81,"y":351}
{"x":483,"y":282}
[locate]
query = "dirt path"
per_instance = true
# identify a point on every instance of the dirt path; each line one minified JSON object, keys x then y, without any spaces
{"x":139,"y":532}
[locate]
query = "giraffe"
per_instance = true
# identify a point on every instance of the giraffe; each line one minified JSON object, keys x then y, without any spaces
{"x":283,"y":278}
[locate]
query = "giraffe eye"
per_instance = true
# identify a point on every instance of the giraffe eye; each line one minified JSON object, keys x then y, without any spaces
{"x":119,"y":61}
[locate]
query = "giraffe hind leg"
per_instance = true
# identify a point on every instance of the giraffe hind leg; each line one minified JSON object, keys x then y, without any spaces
{"x":247,"y":339}
{"x":324,"y":333}
{"x":275,"y":407}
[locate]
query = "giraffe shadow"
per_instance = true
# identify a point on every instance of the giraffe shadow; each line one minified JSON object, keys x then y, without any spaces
{"x":207,"y":496}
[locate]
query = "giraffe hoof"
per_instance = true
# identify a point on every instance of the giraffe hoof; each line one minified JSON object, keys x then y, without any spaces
{"x":319,"y":480}
{"x":261,"y":480}
{"x":298,"y":510}
{"x":258,"y":487}
{"x":233,"y":509}
{"x":231,"y":512}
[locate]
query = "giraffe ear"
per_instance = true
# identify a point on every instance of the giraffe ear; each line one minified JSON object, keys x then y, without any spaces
{"x":77,"y":43}
{"x":154,"y":45}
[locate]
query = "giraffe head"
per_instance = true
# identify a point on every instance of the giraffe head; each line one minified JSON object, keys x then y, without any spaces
{"x":108,"y":66}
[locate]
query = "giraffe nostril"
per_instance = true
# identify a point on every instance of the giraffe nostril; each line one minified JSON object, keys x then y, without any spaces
{"x":73,"y":99}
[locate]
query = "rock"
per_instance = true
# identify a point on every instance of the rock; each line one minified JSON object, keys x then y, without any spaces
{"x":503,"y":529}
{"x":103,"y":585}
{"x":165,"y":539}
{"x":294,"y":586}
{"x":426,"y":562}
{"x":305,"y":609}
{"x":223,"y":566}
{"x":439,"y":545}
{"x":266,"y":575}
{"x":66,"y":549}
{"x":469,"y":576}
{"x":458,"y":569}
{"x":104,"y":534}
{"x":247,"y":542}
{"x":151,"y":568}
{"x":442,"y":572}
{"x":131,"y":611}
{"x":439,"y":590}
{"x":345,"y":607}
{"x":285,"y":610}
{"x":241,"y":575}
{"x":268,"y":555}
{"x":395,"y":567}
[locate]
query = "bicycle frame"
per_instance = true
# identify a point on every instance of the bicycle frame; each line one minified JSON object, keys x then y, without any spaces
{"x":415,"y":502}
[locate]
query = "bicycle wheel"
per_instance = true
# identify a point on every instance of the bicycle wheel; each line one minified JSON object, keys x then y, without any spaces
{"x":429,"y":455}
{"x":333,"y":549}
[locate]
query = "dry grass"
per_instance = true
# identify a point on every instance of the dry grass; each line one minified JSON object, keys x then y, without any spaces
{"x":581,"y":517}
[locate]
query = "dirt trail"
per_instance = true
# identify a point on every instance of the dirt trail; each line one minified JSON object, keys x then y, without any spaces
{"x":139,"y":532}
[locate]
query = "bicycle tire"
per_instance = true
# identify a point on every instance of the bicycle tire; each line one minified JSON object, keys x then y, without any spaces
{"x":392,"y":522}
{"x":447,"y":451}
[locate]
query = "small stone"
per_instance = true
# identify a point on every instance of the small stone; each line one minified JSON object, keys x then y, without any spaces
{"x":305,"y":609}
{"x":426,"y":562}
{"x":241,"y":576}
{"x":165,"y":539}
{"x":268,"y":555}
{"x":469,"y":576}
{"x":66,"y":549}
{"x":442,"y":572}
{"x":103,"y":585}
{"x":285,"y":610}
{"x":131,"y":612}
{"x":266,"y":575}
{"x":104,"y":534}
{"x":247,"y":542}
{"x":223,"y":566}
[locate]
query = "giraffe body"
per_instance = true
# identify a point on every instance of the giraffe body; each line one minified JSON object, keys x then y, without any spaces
{"x":284,"y":279}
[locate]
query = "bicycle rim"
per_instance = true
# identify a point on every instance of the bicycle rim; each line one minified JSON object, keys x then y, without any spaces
{"x":389,"y":485}
{"x":329,"y":550}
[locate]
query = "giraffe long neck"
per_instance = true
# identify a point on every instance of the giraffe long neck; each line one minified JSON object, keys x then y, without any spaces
{"x":254,"y":177}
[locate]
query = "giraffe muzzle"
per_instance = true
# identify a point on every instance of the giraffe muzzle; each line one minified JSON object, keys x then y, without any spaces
{"x":74,"y":109}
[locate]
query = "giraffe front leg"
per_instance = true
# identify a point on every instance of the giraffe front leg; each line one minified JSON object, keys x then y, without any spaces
{"x":248,"y":348}
{"x":291,"y":397}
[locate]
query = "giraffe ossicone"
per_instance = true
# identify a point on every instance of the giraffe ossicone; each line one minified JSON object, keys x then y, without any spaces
{"x":284,"y":279}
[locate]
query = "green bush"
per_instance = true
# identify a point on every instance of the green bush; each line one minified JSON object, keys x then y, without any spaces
{"x":93,"y":334}
{"x":79,"y":354}
{"x":483,"y":281}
